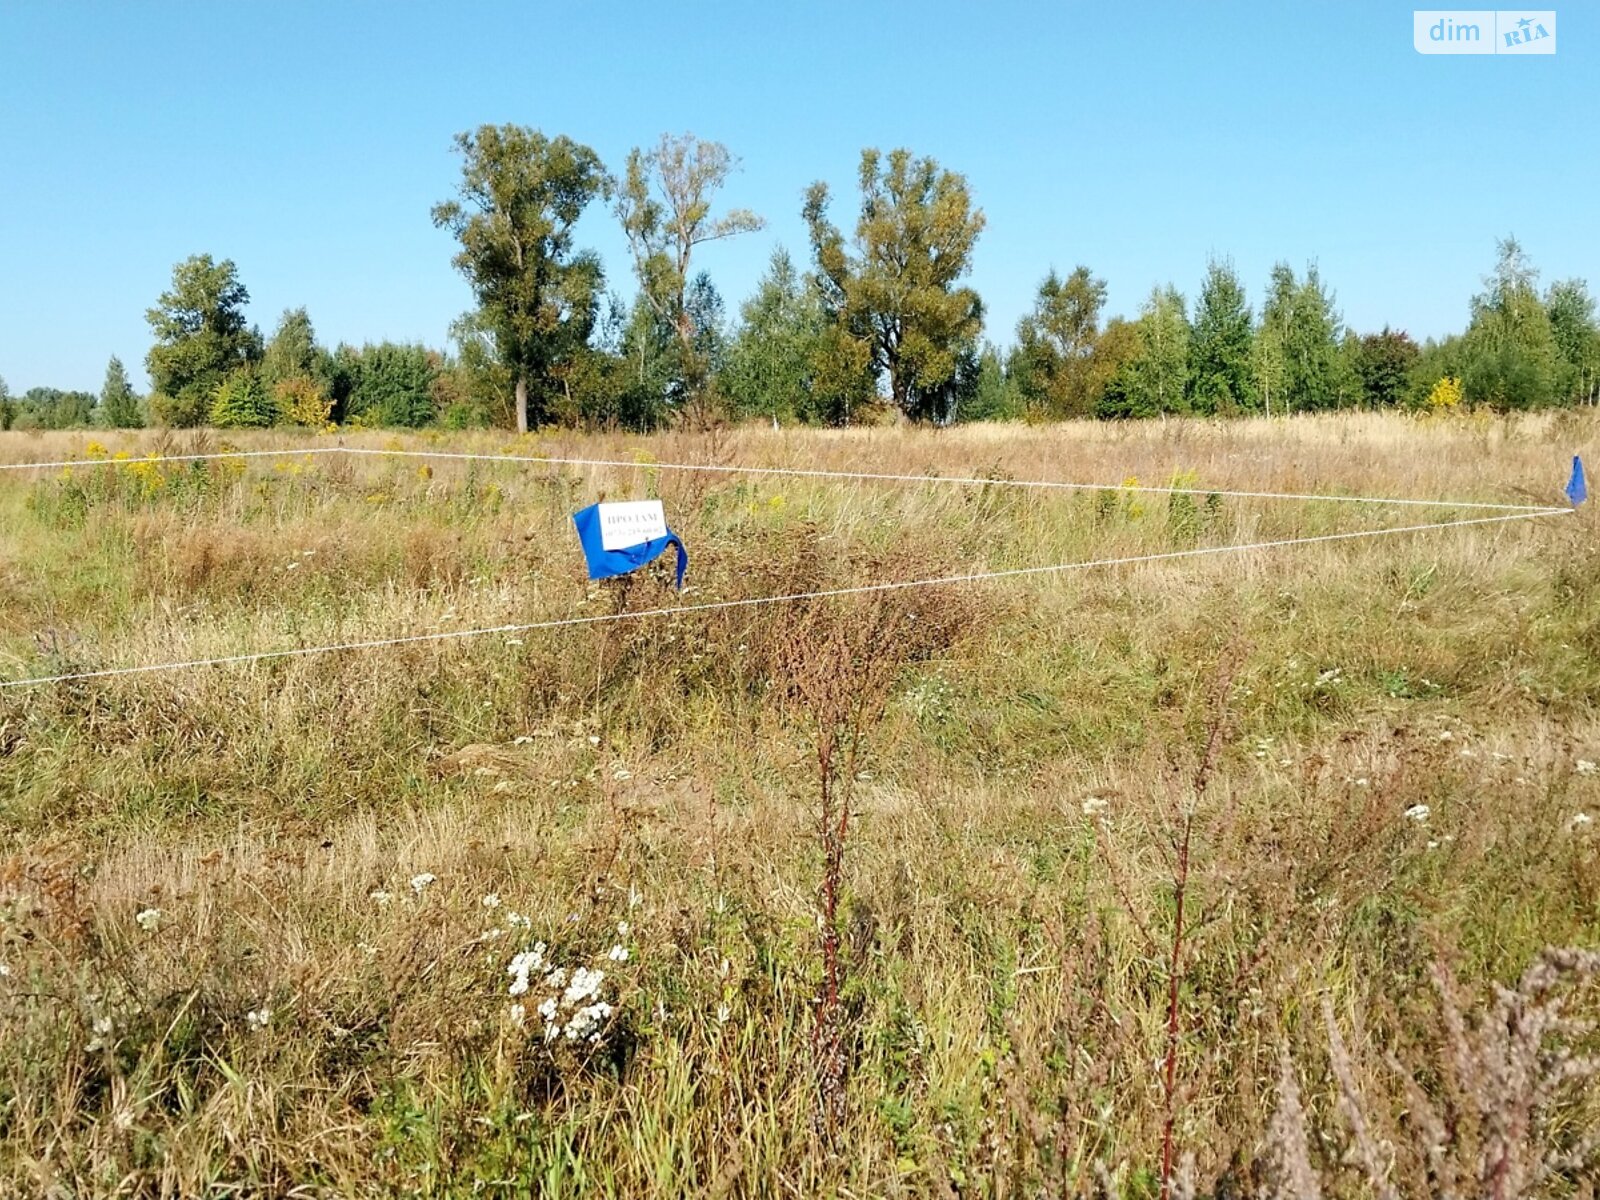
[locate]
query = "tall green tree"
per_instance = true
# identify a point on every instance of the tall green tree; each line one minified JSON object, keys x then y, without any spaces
{"x":119,"y":407}
{"x":1298,"y":343}
{"x":521,"y":194}
{"x":771,"y":367}
{"x":1111,"y":367}
{"x":8,"y":409}
{"x":993,"y":398}
{"x":1383,"y":366}
{"x":394,"y":386}
{"x":1158,"y":375}
{"x":1572,"y":324}
{"x":487,"y":389}
{"x":1269,"y":353}
{"x":291,"y":351}
{"x":1221,"y":349}
{"x":892,"y":293}
{"x":708,"y":332}
{"x":1511,"y":360}
{"x":52,"y":408}
{"x":664,"y":202}
{"x":648,"y":349}
{"x":201,"y":338}
{"x":1058,"y":337}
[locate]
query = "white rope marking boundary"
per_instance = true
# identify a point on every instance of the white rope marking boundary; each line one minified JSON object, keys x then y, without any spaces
{"x":714,"y":606}
{"x":971,"y":481}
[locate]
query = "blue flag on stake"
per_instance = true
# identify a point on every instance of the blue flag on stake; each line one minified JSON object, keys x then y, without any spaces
{"x":1577,"y":486}
{"x":624,"y":536}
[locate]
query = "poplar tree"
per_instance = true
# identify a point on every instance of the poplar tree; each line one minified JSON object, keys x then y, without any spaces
{"x":521,"y":193}
{"x":892,"y":293}
{"x":664,"y":203}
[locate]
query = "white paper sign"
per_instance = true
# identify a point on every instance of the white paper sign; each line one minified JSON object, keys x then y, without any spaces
{"x":630,"y":522}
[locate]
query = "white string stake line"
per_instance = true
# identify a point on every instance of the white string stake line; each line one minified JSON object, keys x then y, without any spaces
{"x":801,"y":472}
{"x":718,"y":605}
{"x":164,"y":458}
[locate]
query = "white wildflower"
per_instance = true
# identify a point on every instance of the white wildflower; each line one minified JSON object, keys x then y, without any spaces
{"x":148,"y":919}
{"x":421,"y":882}
{"x":381,"y":896}
{"x":1586,"y":767}
{"x":586,"y":1020}
{"x":1418,"y":813}
{"x":1094,"y":806}
{"x":492,"y":900}
{"x":623,"y":929}
{"x":556,"y":979}
{"x":585,"y":983}
{"x":258,"y":1018}
{"x":102,"y":1030}
{"x":4,"y":970}
{"x":517,"y":921}
{"x":547,"y":1010}
{"x":594,"y":739}
{"x":1579,"y":820}
{"x":523,"y":965}
{"x":618,"y":954}
{"x":518,"y":1014}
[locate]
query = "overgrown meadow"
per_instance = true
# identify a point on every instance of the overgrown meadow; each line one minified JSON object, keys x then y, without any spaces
{"x":1273,"y":874}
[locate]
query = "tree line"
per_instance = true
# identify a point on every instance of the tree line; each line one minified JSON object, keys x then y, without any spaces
{"x":879,"y":320}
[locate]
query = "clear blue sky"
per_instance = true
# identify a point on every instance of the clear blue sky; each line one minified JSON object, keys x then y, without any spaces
{"x":307,"y":142}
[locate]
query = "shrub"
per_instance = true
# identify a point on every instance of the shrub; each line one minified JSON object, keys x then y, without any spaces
{"x":393,"y":386}
{"x":302,"y":401}
{"x":1446,"y":395}
{"x":241,"y":402}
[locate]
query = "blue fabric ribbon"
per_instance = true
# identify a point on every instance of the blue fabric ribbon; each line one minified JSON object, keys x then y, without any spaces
{"x":603,"y":563}
{"x":1577,"y":486}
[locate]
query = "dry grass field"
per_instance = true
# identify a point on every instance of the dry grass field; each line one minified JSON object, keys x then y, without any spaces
{"x":1262,"y":862}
